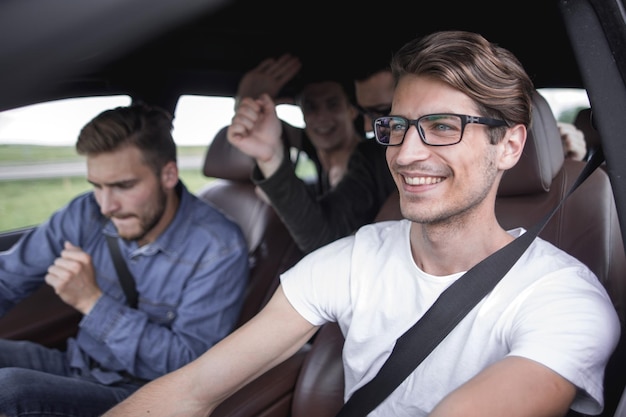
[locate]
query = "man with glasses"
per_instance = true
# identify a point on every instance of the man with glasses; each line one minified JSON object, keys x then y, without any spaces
{"x":537,"y":345}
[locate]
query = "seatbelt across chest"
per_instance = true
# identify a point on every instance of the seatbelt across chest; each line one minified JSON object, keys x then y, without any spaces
{"x":448,"y":310}
{"x":125,"y":277}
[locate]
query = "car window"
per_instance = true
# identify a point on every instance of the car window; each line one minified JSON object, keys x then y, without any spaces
{"x":40,"y":171}
{"x":565,"y":102}
{"x":39,"y":168}
{"x":197,"y":119}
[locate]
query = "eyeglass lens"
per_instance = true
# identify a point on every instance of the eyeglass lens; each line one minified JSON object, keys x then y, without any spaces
{"x":436,"y":129}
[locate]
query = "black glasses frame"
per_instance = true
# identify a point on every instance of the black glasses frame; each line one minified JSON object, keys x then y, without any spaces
{"x":465,"y":120}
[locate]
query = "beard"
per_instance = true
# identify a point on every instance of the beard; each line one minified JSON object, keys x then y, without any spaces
{"x":147,"y":219}
{"x":453,"y":212}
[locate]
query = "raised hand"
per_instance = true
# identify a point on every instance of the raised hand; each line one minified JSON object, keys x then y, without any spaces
{"x":256,"y":131}
{"x":269,"y":77}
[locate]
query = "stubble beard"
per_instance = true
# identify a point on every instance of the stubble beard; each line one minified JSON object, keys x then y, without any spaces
{"x":149,"y":219}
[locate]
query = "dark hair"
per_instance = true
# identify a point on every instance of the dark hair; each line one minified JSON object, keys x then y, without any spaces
{"x":313,"y":74}
{"x":149,"y":128}
{"x":489,"y":74}
{"x":375,"y":63}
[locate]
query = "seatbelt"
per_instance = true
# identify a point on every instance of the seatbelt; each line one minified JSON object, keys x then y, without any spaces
{"x":123,"y":274}
{"x":448,"y":310}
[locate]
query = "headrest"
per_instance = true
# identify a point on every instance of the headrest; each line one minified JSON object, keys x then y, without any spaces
{"x":224,"y":161}
{"x":584,"y":122}
{"x":542,"y":157}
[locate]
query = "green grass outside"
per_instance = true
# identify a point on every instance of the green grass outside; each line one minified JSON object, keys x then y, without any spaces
{"x":20,"y":154}
{"x":29,"y":202}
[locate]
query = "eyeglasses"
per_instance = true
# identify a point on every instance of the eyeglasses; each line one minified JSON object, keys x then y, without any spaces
{"x":434,"y":129}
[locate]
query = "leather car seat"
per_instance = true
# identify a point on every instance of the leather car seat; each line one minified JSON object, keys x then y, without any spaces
{"x":584,"y":122}
{"x":271,"y":248}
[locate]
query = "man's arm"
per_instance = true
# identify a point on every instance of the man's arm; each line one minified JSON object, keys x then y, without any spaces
{"x":269,"y":338}
{"x":355,"y":201}
{"x":256,"y":131}
{"x":512,"y":387}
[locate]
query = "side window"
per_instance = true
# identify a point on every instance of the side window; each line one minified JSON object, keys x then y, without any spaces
{"x":39,"y":168}
{"x":565,"y":102}
{"x":198,"y":119}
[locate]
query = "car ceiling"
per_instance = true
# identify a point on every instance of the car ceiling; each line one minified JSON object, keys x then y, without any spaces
{"x":157,"y":49}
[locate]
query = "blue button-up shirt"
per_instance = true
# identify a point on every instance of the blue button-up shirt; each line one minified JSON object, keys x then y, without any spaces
{"x":190,"y":280}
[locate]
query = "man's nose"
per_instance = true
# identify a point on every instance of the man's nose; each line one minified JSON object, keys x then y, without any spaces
{"x":412,"y":148}
{"x":107,"y":201}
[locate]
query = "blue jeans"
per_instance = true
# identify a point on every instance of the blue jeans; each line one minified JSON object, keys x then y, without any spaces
{"x":37,"y":381}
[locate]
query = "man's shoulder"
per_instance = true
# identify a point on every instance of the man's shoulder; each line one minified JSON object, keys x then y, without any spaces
{"x":545,"y":262}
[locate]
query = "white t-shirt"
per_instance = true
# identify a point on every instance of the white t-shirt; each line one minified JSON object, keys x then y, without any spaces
{"x":549,"y":308}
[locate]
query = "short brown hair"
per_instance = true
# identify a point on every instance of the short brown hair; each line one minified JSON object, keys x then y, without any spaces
{"x":149,"y":128}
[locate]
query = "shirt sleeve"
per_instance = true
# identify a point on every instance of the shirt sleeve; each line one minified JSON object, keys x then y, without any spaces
{"x":355,"y":201}
{"x":318,"y":286}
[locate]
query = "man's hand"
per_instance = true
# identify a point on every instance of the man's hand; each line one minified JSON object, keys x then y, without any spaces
{"x":256,"y":131}
{"x":73,"y":279}
{"x":269,"y":77}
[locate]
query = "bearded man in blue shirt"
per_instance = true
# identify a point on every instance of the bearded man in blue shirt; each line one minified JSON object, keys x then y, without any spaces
{"x":189,"y":264}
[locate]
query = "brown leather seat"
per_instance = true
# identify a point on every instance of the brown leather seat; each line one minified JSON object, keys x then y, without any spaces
{"x":584,"y":122}
{"x":270,"y":246}
{"x":586,"y":227}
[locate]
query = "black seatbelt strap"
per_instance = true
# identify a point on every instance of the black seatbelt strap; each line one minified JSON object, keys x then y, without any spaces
{"x":448,"y":310}
{"x":126,"y":279}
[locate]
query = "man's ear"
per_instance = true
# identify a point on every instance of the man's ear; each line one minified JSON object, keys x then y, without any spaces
{"x":169,"y":175}
{"x":512,"y":146}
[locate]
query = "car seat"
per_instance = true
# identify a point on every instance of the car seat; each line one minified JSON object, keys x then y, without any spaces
{"x":584,"y":122}
{"x":271,"y":248}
